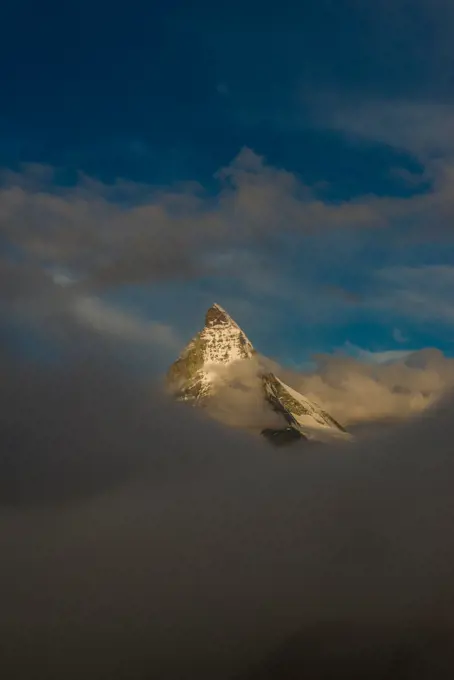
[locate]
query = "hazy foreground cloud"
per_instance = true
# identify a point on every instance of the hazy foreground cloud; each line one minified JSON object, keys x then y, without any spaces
{"x":139,"y":540}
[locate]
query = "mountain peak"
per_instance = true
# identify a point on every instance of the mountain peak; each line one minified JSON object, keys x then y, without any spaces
{"x":221,"y":342}
{"x":208,"y":360}
{"x":216,"y":316}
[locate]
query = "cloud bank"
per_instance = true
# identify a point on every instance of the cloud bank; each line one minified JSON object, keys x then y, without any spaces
{"x":129,"y":233}
{"x":357,"y":392}
{"x":139,"y":539}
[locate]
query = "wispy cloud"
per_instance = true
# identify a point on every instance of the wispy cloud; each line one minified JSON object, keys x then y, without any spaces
{"x":399,"y":336}
{"x":423,"y":128}
{"x":369,"y":357}
{"x":104,"y":318}
{"x":423,"y":293}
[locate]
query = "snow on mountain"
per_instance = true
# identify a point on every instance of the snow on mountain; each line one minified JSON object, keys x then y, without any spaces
{"x":305,"y":416}
{"x":216,"y":350}
{"x":220,"y":343}
{"x":225,"y":341}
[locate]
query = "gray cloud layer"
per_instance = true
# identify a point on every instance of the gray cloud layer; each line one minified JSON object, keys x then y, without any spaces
{"x":128,"y":233}
{"x":139,"y":540}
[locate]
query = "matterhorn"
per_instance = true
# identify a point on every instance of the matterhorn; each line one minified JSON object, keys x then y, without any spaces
{"x":211,"y":360}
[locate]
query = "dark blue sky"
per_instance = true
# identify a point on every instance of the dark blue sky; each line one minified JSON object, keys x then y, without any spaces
{"x":165,"y":91}
{"x":346,"y":96}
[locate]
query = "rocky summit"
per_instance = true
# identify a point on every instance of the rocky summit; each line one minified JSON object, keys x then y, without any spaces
{"x":217,"y":350}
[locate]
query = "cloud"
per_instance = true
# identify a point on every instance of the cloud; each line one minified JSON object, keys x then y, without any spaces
{"x":424,"y":128}
{"x":139,"y":539}
{"x":246,"y":235}
{"x":423,"y":293}
{"x":90,"y":231}
{"x":420,"y":128}
{"x":108,"y":235}
{"x":37,"y":305}
{"x":106,"y":319}
{"x":239,"y":399}
{"x":368,"y":357}
{"x":399,"y":336}
{"x":374,"y":387}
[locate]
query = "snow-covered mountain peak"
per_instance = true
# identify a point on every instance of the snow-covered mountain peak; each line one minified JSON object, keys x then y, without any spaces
{"x":224,"y":341}
{"x":220,"y":343}
{"x":211,"y":360}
